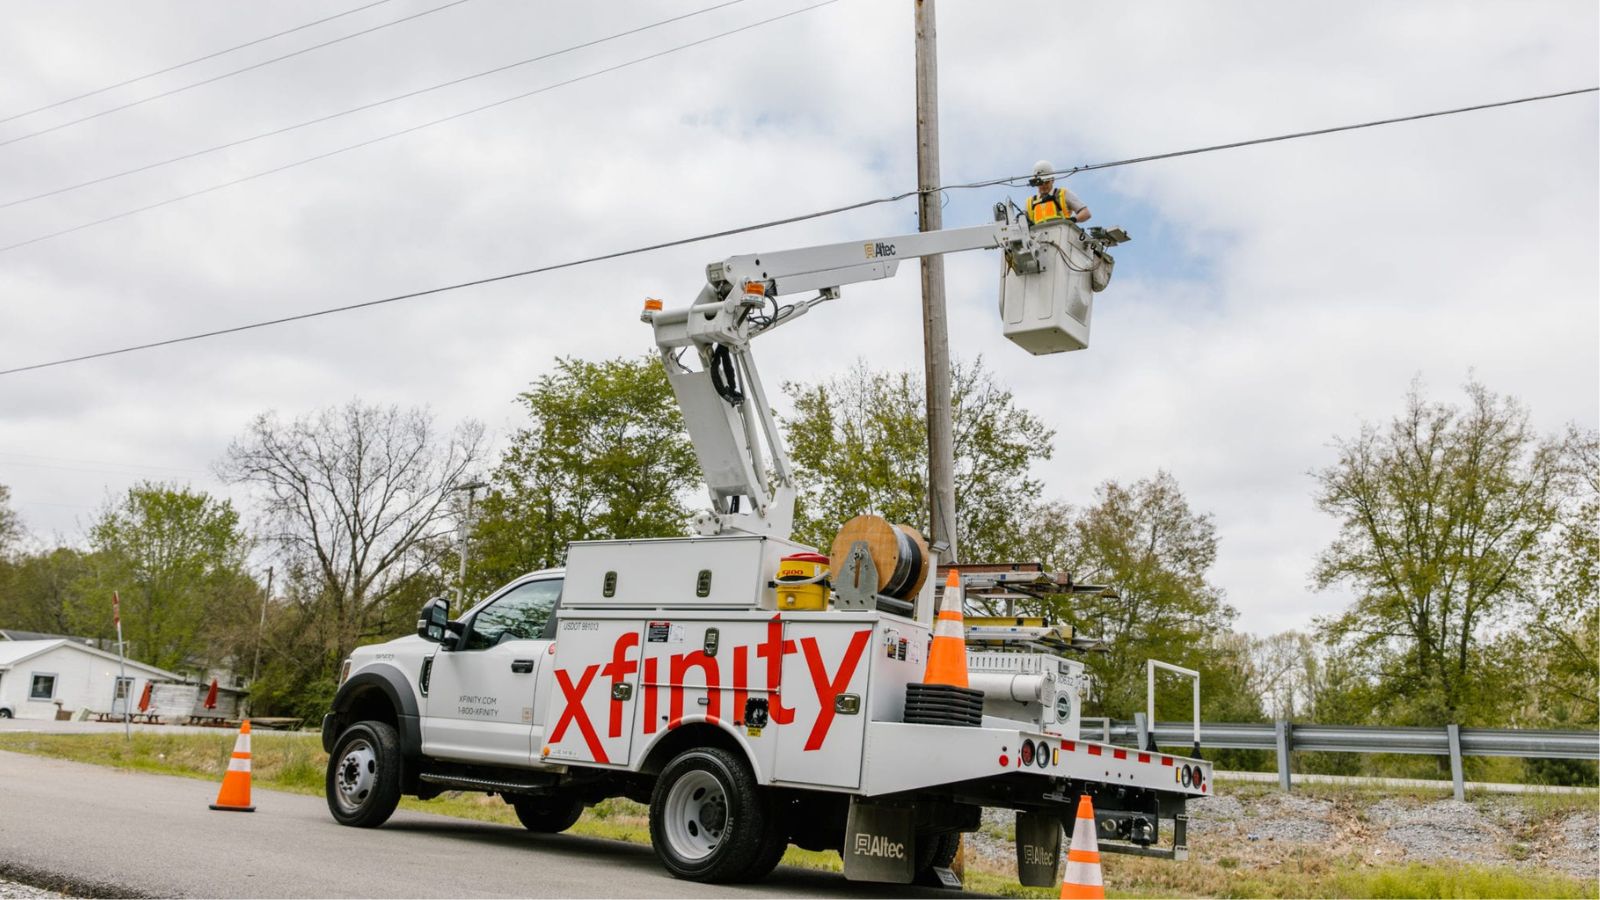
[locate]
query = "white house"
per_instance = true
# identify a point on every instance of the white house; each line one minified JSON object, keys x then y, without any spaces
{"x":39,"y":677}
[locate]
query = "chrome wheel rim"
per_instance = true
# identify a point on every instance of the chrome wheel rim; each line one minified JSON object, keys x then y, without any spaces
{"x":696,"y":815}
{"x":356,"y":775}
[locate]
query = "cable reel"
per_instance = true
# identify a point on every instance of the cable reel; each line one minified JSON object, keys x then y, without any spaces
{"x":899,"y":554}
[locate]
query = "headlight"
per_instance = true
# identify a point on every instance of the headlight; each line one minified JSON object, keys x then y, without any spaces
{"x":344,"y":671}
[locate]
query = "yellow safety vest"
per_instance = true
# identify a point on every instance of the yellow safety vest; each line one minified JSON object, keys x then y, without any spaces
{"x":1043,"y":209}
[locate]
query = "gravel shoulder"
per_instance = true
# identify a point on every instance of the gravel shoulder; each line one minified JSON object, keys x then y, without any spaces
{"x":1250,"y":826}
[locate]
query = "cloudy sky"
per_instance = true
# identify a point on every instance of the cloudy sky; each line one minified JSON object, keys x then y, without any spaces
{"x":1274,"y":297}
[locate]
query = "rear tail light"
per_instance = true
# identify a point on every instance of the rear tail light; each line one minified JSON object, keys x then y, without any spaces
{"x":1025,"y":753}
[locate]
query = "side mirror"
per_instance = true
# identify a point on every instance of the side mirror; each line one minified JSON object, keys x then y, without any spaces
{"x":433,"y":620}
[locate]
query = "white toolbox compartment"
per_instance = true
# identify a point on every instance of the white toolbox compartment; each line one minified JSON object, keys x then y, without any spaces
{"x":722,"y":572}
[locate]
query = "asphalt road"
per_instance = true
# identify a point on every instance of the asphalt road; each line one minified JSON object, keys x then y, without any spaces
{"x":117,"y":832}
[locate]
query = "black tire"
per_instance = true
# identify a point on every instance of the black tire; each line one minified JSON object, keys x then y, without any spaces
{"x":774,"y":842}
{"x":708,"y":819}
{"x":363,"y":780}
{"x":935,"y":851}
{"x":5,"y":713}
{"x":547,"y":815}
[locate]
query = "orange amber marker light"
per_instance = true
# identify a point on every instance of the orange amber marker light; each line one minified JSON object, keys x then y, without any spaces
{"x":652,"y":304}
{"x":755,"y":287}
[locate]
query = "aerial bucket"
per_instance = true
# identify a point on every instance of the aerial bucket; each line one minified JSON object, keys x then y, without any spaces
{"x":1048,"y":311}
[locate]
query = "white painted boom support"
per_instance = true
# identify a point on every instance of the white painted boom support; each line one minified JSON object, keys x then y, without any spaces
{"x":725,"y":408}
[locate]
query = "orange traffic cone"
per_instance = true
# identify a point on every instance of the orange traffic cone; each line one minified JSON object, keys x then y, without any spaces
{"x":1082,"y":880}
{"x":235,"y":793}
{"x":947,"y":658}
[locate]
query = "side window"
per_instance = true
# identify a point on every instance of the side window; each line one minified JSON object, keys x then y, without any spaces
{"x":520,"y":614}
{"x":42,"y":688}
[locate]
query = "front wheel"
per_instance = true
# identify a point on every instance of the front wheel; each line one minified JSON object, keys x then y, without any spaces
{"x":5,"y":713}
{"x":707,"y":818}
{"x":363,"y":783}
{"x":547,"y":815}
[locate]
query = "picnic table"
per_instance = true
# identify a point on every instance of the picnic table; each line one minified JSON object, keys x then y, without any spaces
{"x":277,"y":723}
{"x":138,"y":718}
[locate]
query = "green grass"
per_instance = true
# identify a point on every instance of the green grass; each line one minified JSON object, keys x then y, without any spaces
{"x":1536,"y":802}
{"x":295,"y":763}
{"x":1458,"y":881}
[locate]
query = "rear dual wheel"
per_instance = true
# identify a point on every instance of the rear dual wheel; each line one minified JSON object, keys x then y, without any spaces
{"x":711,"y":822}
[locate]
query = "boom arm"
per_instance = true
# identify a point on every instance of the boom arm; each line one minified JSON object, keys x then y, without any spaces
{"x":724,"y":405}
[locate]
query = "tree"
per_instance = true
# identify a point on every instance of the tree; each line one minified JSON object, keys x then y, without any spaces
{"x":356,"y":502}
{"x":10,"y":524}
{"x":39,"y":589}
{"x":1283,"y":669}
{"x":1153,"y":551}
{"x":1560,"y":604}
{"x":1441,"y":514}
{"x":173,"y":555}
{"x":604,"y":455}
{"x":860,"y":445}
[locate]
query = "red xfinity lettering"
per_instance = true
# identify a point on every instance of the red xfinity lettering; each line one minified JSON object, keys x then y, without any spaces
{"x":773,"y":650}
{"x":618,"y":670}
{"x":741,"y":683}
{"x":829,"y":688}
{"x":649,"y":688}
{"x":677,"y":668}
{"x":575,"y":713}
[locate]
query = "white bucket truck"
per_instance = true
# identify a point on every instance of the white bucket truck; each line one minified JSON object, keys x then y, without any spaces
{"x":670,"y":671}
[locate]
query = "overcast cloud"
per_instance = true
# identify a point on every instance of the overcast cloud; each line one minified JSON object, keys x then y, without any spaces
{"x":1273,"y":297}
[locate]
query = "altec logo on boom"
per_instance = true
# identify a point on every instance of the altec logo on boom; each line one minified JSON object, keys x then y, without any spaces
{"x":625,"y":662}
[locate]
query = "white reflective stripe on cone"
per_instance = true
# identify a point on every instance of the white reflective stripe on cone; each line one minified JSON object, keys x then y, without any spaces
{"x":238,"y":765}
{"x":1083,"y":836}
{"x":1084,"y":873}
{"x":242,"y":744}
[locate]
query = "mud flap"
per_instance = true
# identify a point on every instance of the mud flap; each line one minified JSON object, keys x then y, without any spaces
{"x":879,"y":843}
{"x":1038,"y":849}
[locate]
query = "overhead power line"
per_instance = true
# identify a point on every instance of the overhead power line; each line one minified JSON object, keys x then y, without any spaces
{"x":728,"y":232}
{"x":404,"y":131}
{"x":215,"y":78}
{"x":198,"y":59}
{"x":366,"y":106}
{"x":1320,"y":131}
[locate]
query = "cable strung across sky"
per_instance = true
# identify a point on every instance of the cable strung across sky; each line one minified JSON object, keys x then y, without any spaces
{"x":215,"y":78}
{"x":411,"y":129}
{"x":198,"y":59}
{"x":679,"y":242}
{"x":366,"y":106}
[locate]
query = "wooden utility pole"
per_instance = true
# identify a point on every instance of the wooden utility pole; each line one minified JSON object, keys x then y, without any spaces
{"x":935,"y":329}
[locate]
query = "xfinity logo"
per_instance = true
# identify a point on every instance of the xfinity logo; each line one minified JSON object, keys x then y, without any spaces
{"x":877,"y":249}
{"x":877,"y":845}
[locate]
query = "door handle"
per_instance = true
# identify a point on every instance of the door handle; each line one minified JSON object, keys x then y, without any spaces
{"x":522,"y":666}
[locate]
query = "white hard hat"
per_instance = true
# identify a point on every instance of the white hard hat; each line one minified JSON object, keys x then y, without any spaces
{"x":1043,"y":171}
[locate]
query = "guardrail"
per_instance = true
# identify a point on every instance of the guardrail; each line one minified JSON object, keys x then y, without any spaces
{"x":1285,"y":737}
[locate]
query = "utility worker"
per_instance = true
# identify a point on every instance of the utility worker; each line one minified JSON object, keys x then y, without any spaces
{"x":1053,"y":203}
